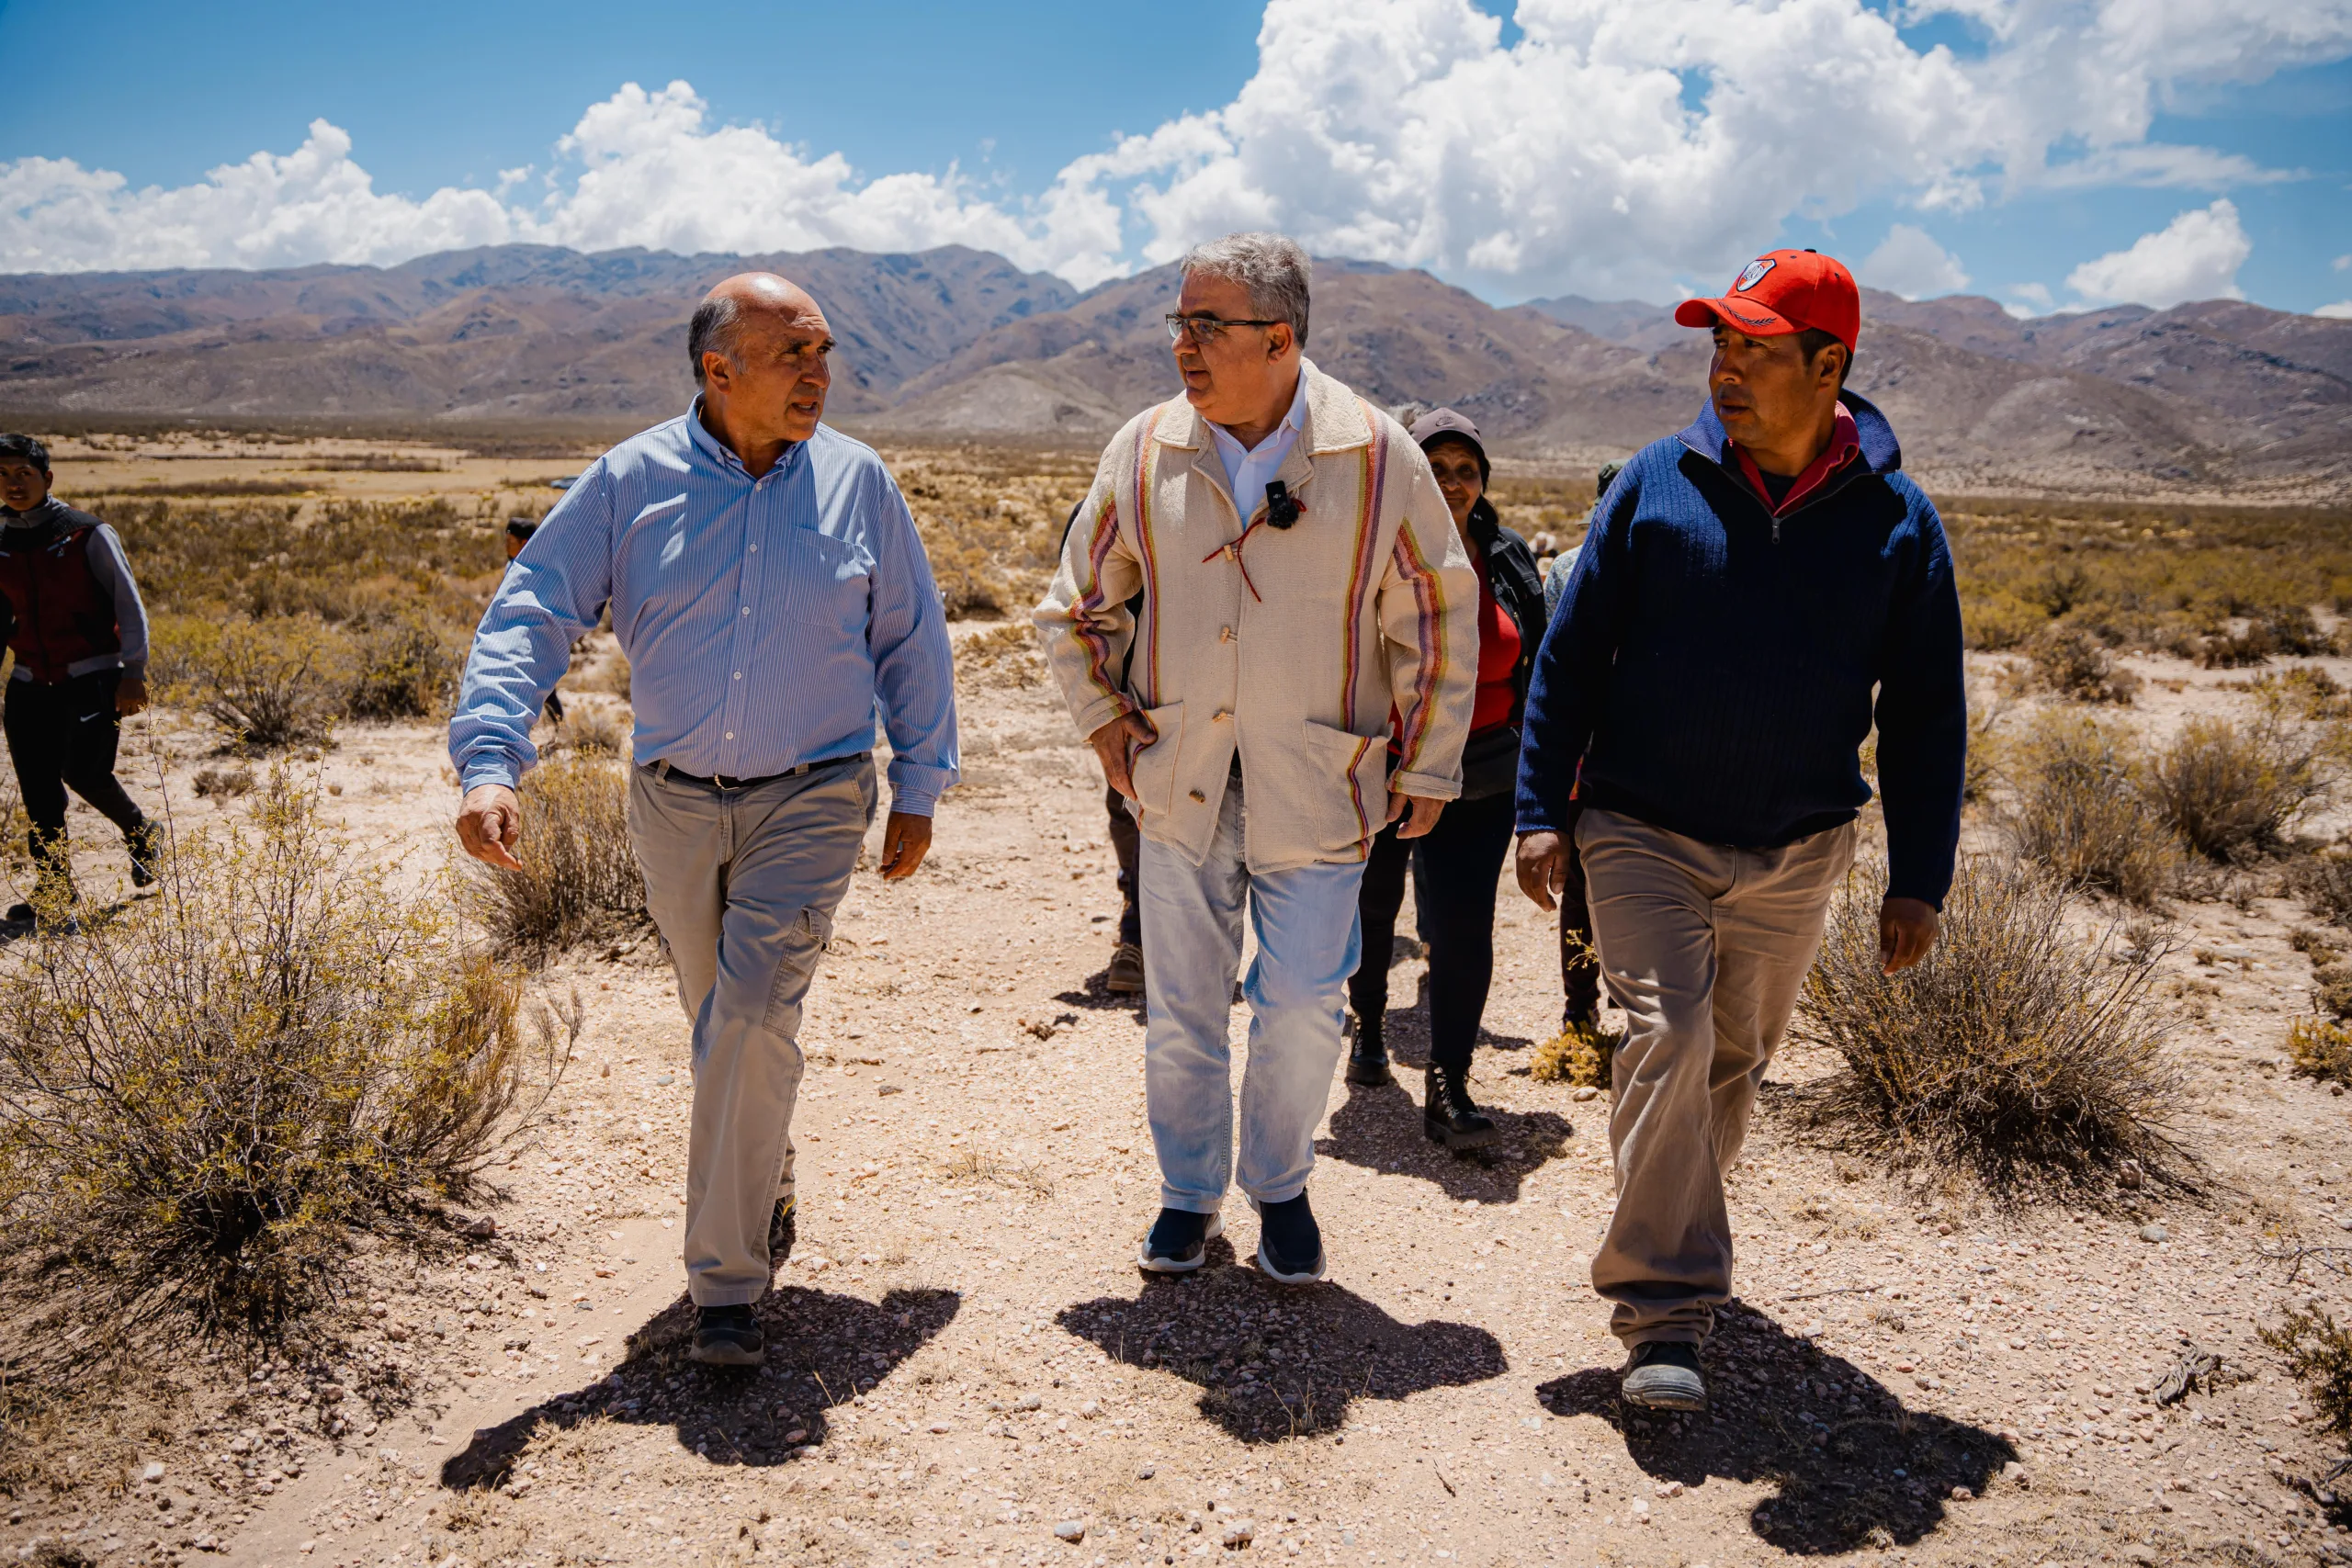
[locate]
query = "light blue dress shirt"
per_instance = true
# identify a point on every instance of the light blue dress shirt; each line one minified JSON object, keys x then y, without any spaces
{"x":1247,"y":470}
{"x":766,"y":621}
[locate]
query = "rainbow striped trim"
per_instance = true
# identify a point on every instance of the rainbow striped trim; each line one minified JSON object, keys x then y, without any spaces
{"x":1090,"y":603}
{"x":1355,"y":793}
{"x":1429,"y":598}
{"x":1146,"y":473}
{"x":1371,"y":482}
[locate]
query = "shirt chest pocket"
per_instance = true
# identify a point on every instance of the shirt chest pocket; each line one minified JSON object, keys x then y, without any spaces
{"x":825,"y":582}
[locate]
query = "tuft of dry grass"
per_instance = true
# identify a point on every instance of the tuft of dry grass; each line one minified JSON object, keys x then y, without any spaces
{"x":2078,"y":808}
{"x":580,"y":879}
{"x":2014,"y":1051}
{"x":2319,"y":1355}
{"x":404,"y":670}
{"x":2321,"y":1048}
{"x":2233,"y":793}
{"x":222,"y":783}
{"x":2071,"y":662}
{"x":1582,"y":1056}
{"x":205,"y":1097}
{"x":593,"y":732}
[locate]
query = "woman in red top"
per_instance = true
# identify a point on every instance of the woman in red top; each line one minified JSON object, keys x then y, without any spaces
{"x":1456,"y":865}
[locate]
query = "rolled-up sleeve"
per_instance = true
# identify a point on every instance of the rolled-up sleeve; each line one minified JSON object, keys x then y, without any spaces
{"x":552,"y":593}
{"x":914,"y":669}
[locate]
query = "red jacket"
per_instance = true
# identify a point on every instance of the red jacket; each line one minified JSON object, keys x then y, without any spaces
{"x":63,"y":615}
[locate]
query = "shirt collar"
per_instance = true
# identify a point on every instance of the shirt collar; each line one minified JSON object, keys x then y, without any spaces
{"x":1291,"y":424}
{"x":1845,"y":444}
{"x":718,"y":452}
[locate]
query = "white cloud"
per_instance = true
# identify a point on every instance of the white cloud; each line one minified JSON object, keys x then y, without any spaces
{"x":2339,"y":312}
{"x":2195,"y":256}
{"x":2342,"y":261}
{"x":1618,"y":146}
{"x":1908,"y":262}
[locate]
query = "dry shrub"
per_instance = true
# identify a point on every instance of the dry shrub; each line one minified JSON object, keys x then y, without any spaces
{"x":613,"y":676}
{"x":2319,"y":1354}
{"x":205,"y":1096}
{"x":1582,"y":1056}
{"x":1994,"y":621}
{"x":2013,"y":1050}
{"x":2321,"y":1049}
{"x":404,"y":670}
{"x":593,"y":732}
{"x":269,"y":683}
{"x":2072,"y":663}
{"x":2323,"y":882}
{"x":223,"y":783}
{"x":579,"y":881}
{"x":1002,"y":656}
{"x":2233,"y":793}
{"x":2079,"y":808}
{"x":2302,"y":691}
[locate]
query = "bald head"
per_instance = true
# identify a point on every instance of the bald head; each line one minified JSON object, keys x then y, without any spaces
{"x":746,"y":299}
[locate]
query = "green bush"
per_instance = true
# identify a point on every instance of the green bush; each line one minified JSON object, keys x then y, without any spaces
{"x":205,"y":1096}
{"x":2014,"y":1050}
{"x":404,"y":670}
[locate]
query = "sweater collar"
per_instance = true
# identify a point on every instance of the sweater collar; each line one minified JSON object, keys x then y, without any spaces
{"x":1881,"y":454}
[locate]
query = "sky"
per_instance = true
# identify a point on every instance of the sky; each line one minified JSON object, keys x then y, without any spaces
{"x":2051,"y":155}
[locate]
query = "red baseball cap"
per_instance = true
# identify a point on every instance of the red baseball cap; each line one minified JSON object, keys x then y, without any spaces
{"x":1781,"y":292}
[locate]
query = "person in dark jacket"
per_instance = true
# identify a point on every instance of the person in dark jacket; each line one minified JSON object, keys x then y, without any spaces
{"x":1579,"y":968}
{"x":518,"y":534}
{"x":73,"y":619}
{"x":1455,"y":865}
{"x":1755,"y":592}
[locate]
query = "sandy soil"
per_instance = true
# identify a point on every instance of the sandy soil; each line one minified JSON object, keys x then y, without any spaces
{"x":965,"y":1366}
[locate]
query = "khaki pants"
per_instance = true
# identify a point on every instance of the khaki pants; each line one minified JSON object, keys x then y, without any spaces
{"x":742,"y":885}
{"x":1704,"y":947}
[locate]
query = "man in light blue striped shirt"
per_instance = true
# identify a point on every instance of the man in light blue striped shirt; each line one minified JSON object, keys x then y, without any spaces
{"x":768,"y":586}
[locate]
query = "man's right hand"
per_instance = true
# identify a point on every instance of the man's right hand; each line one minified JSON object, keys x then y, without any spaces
{"x":490,"y":824}
{"x":1542,"y":866}
{"x":1116,"y":745}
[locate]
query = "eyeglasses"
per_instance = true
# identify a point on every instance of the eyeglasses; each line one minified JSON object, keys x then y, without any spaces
{"x":1203,"y":330}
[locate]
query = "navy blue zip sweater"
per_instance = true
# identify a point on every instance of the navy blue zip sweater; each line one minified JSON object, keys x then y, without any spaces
{"x":1712,"y":666}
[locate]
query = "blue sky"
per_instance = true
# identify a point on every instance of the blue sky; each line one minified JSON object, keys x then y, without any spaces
{"x":1519,"y":152}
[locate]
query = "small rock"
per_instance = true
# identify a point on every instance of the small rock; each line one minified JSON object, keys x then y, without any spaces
{"x":1586,"y":1093}
{"x":1091,"y":1409}
{"x":1030,"y":1401}
{"x":665,"y":1078}
{"x":2017,"y":1474}
{"x":797,"y":1437}
{"x":1072,"y":1530}
{"x":1962,"y":1495}
{"x":481,"y":1229}
{"x":152,"y":1473}
{"x":2154,"y":1231}
{"x":1240,"y":1535}
{"x":2129,"y":1175}
{"x":1146,"y":1473}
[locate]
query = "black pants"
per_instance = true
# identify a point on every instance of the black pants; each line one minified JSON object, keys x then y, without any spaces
{"x":1454,"y":869}
{"x":1125,"y":845}
{"x":1579,"y":961}
{"x":64,"y":736}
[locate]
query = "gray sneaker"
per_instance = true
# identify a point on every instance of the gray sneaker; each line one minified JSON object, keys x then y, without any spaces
{"x":1663,"y":1374}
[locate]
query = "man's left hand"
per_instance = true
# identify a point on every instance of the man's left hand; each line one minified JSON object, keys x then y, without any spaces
{"x":1907,"y":929}
{"x":130,"y":696}
{"x":906,"y":839}
{"x":1423,"y":812}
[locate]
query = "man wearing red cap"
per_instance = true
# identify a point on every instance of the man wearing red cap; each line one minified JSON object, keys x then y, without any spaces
{"x":1755,"y":592}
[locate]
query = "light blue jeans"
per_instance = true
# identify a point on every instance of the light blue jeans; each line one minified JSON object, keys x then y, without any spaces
{"x":1304,"y":919}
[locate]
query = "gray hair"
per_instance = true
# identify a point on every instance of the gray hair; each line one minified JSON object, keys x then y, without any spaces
{"x":1272,"y":267}
{"x":713,"y":330}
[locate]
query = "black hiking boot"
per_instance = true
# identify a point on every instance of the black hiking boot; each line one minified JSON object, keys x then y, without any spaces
{"x":146,"y":847}
{"x":1664,"y":1374}
{"x":728,"y":1337}
{"x":1447,"y":1113}
{"x":1368,"y":1056}
{"x":1126,"y":976}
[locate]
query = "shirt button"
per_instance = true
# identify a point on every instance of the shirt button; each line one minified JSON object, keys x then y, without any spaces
{"x":731,"y":734}
{"x":755,"y":549}
{"x":739,"y":674}
{"x":1199,"y":796}
{"x":747,"y":609}
{"x":1222,"y":717}
{"x":1225,"y":635}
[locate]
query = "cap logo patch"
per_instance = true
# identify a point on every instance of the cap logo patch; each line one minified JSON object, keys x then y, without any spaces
{"x":1753,"y":274}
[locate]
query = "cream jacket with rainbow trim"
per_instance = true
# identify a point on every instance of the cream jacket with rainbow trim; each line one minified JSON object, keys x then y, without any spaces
{"x":1291,"y":644}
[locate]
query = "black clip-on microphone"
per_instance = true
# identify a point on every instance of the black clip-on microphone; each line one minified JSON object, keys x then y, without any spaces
{"x":1282,"y":507}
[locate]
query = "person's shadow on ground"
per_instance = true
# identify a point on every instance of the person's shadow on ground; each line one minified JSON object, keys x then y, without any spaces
{"x":822,"y":1349}
{"x":1381,"y":1129}
{"x":1274,"y":1361}
{"x":1854,"y":1467}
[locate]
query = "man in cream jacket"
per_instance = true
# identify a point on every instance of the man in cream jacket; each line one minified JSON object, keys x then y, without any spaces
{"x":1298,"y":674}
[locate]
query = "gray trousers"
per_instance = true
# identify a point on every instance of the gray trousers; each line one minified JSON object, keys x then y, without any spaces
{"x":742,"y":885}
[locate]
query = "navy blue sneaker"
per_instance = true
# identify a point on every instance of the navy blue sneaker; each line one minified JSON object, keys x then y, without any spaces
{"x":1178,"y":1241}
{"x":1290,"y":1244}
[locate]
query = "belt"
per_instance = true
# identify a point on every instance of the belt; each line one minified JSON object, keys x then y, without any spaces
{"x":665,"y":773}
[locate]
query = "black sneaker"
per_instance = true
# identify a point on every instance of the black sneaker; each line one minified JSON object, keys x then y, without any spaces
{"x":1178,"y":1241}
{"x":1368,"y":1056}
{"x":1125,"y":977}
{"x":1664,"y":1375}
{"x":784,"y":1229}
{"x":728,"y":1337}
{"x":20,"y":914}
{"x":1290,"y":1244}
{"x":146,"y":850}
{"x":1447,"y":1113}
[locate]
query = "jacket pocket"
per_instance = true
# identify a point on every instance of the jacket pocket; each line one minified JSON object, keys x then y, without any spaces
{"x":1353,"y":802}
{"x":1154,"y":768}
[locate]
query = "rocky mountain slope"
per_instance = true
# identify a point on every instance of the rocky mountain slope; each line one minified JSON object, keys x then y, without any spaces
{"x":2218,"y":398}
